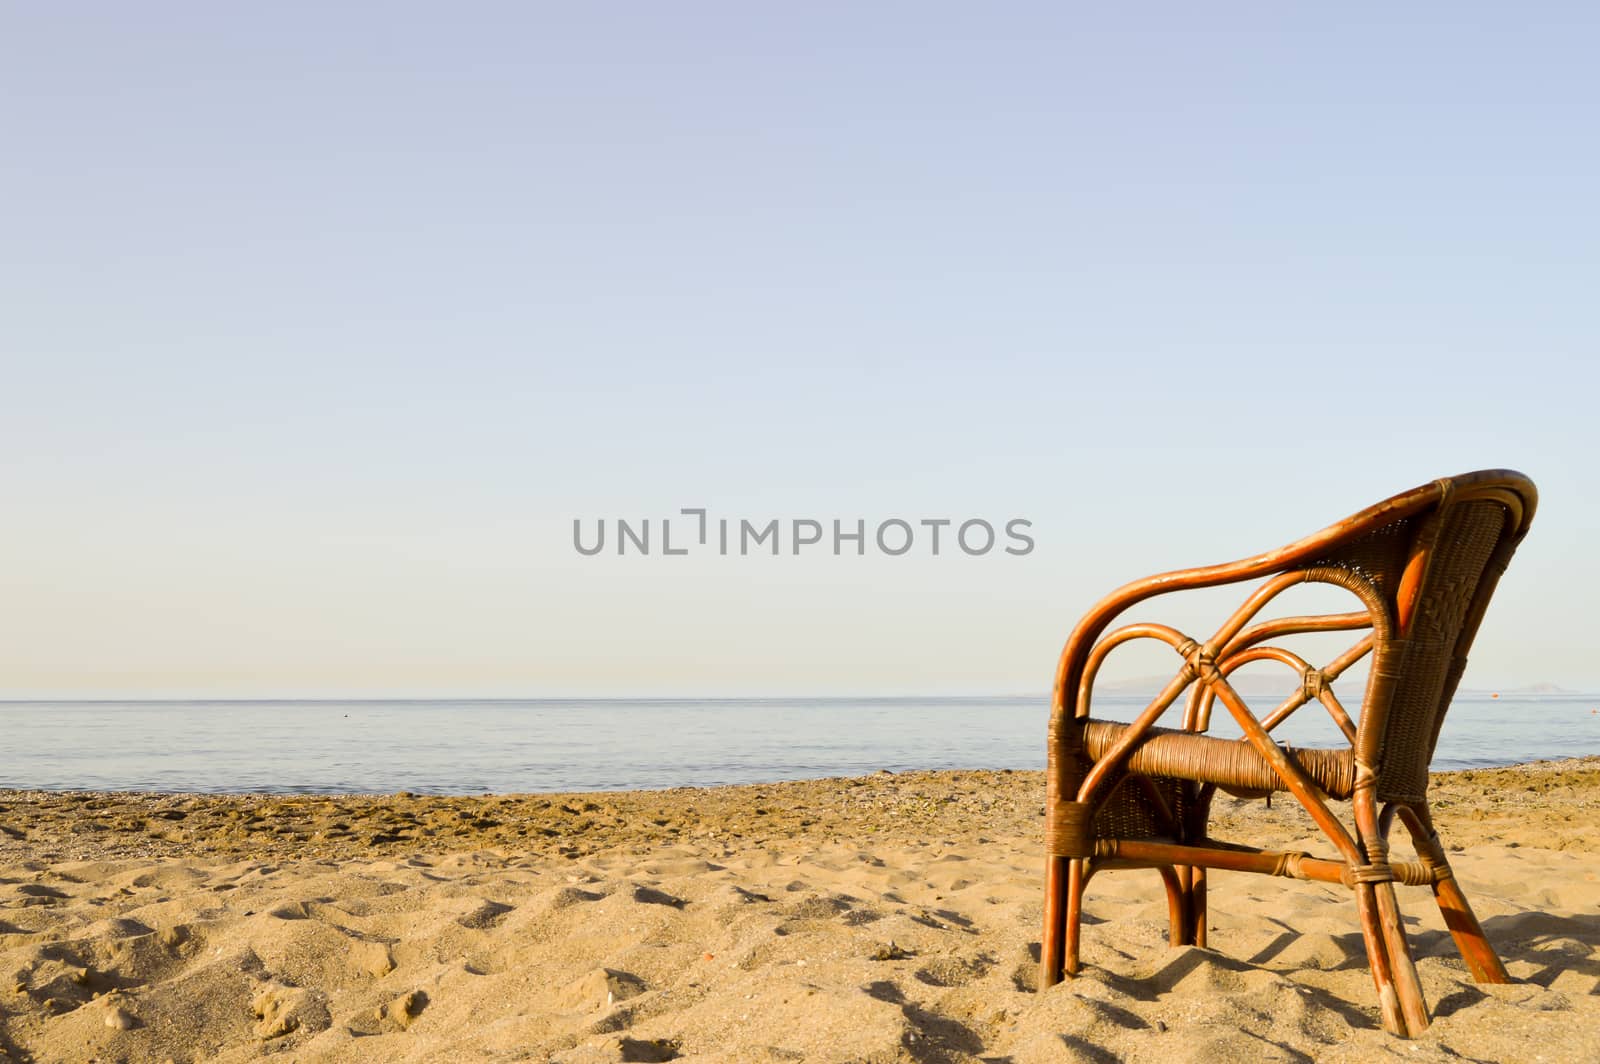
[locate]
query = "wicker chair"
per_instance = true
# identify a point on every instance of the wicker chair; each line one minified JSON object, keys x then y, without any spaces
{"x":1422,"y":566}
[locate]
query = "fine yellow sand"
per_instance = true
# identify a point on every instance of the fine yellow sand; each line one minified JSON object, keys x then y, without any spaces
{"x":887,"y":918}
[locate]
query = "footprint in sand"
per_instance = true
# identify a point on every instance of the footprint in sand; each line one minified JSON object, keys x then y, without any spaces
{"x":823,"y":907}
{"x":281,"y":1010}
{"x":39,"y":894}
{"x":651,"y":896}
{"x":954,"y":971}
{"x":564,"y":897}
{"x":600,"y":989}
{"x":395,"y":1015}
{"x":486,"y":915}
{"x":371,"y":957}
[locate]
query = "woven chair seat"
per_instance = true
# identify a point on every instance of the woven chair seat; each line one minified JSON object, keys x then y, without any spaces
{"x":1233,"y":765}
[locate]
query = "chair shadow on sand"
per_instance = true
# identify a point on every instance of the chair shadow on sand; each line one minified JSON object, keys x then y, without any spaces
{"x":1534,"y":938}
{"x":1551,"y":944}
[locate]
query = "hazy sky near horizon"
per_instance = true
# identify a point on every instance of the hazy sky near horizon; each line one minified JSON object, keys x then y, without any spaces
{"x":320,"y":324}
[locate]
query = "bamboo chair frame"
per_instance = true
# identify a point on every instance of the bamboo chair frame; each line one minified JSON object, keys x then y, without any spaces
{"x":1422,"y":566}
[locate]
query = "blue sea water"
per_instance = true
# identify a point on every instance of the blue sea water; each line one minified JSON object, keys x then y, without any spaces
{"x":505,"y":746}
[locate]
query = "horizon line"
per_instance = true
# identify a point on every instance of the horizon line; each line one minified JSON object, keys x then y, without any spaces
{"x":1526,"y":689}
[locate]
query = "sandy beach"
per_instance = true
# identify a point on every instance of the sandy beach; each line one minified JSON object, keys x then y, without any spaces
{"x":891,"y":917}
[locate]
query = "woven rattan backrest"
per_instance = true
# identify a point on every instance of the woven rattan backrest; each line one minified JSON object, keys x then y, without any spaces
{"x":1435,"y":570}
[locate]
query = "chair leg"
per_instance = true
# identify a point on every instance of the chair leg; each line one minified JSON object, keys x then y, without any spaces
{"x":1075,"y":884}
{"x":1177,"y":904}
{"x":1052,"y":945}
{"x":1413,"y":1005}
{"x":1378,"y":960}
{"x":1400,"y":999}
{"x":1480,"y":957}
{"x":1186,"y":904}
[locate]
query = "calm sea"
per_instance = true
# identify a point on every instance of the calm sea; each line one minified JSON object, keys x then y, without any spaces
{"x":462,"y":747}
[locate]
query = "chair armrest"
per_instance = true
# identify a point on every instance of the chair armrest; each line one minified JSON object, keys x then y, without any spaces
{"x":1302,"y":552}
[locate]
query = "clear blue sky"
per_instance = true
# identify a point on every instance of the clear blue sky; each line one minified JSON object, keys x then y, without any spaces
{"x":321,"y":323}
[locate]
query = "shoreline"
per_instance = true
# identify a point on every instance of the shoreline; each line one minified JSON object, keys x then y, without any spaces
{"x":1570,"y":760}
{"x":118,"y":825}
{"x":893,"y":917}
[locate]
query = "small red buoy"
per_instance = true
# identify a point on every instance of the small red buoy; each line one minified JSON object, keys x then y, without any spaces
{"x":1495,"y":695}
